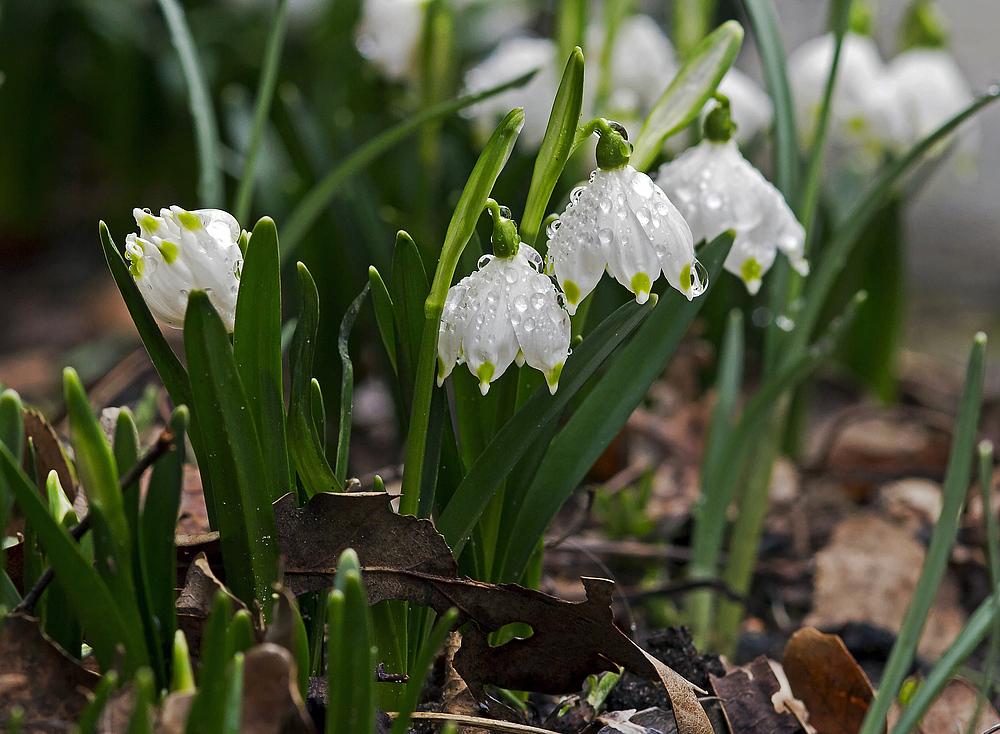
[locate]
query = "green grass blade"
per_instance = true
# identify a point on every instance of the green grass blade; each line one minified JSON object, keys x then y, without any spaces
{"x":410,"y":287}
{"x":460,"y":230}
{"x":992,"y":528}
{"x":211,"y":191}
{"x":764,"y":21}
{"x":240,"y":636}
{"x":972,"y":634}
{"x":233,"y":712}
{"x":209,"y":706}
{"x":571,"y":25}
{"x":257,"y":349}
{"x":246,"y":522}
{"x":710,"y":513}
{"x":956,"y":484}
{"x":312,"y":204}
{"x":382,"y":303}
{"x":519,"y":434}
{"x":418,"y":674}
{"x":603,"y":413}
{"x":556,"y":147}
{"x":11,"y":436}
{"x":158,"y":523}
{"x":683,"y":100}
{"x":347,"y":385}
{"x":168,"y":366}
{"x":853,"y":223}
{"x":92,"y":600}
{"x":265,"y":94}
{"x":305,"y":444}
{"x":351,"y":660}
{"x":181,"y":672}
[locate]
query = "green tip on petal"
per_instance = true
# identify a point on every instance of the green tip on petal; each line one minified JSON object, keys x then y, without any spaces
{"x":441,"y":372}
{"x":485,"y":374}
{"x":149,"y":223}
{"x":189,"y":221}
{"x":572,"y":291}
{"x":750,"y":270}
{"x":135,"y":267}
{"x":552,"y":377}
{"x":686,"y":278}
{"x":168,"y":250}
{"x":641,"y":287}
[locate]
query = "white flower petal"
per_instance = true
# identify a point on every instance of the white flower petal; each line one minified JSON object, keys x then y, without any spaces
{"x":489,"y":343}
{"x":388,"y":34}
{"x":576,"y":255}
{"x":632,"y":260}
{"x":454,"y":318}
{"x":540,"y":322}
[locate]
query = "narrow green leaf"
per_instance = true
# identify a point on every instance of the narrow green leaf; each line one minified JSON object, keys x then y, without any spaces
{"x":347,"y":384}
{"x":764,"y":20}
{"x":603,"y":413}
{"x":181,"y":673}
{"x":313,"y":203}
{"x":522,"y":431}
{"x":102,"y":692}
{"x":410,"y":287}
{"x":382,"y":303}
{"x":110,"y":528}
{"x":557,"y":145}
{"x":351,"y":660}
{"x":233,"y":712}
{"x":852,"y":224}
{"x":158,"y":524}
{"x":418,"y":674}
{"x":240,"y":636}
{"x":460,"y":229}
{"x":211,"y":191}
{"x":61,"y":623}
{"x":209,"y":706}
{"x":246,"y":522}
{"x":571,"y":25}
{"x":11,"y":436}
{"x":92,"y":601}
{"x":168,"y":366}
{"x":683,"y":100}
{"x":992,"y":528}
{"x":318,"y":407}
{"x":956,"y":484}
{"x":265,"y":94}
{"x":304,"y":443}
{"x":338,"y":688}
{"x":257,"y":349}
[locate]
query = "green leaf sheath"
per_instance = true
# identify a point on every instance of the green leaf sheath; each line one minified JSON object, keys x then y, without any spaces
{"x":211,"y":190}
{"x":347,"y":385}
{"x":602,"y":414}
{"x":312,"y":204}
{"x":168,"y":367}
{"x":557,"y":145}
{"x":257,"y":349}
{"x":265,"y":94}
{"x":460,"y":229}
{"x":304,"y":442}
{"x":954,"y":489}
{"x":683,"y":100}
{"x":246,"y":522}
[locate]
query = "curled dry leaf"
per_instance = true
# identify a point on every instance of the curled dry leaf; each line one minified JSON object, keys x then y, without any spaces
{"x":49,"y":453}
{"x":35,"y":674}
{"x":746,"y":698}
{"x":955,"y":708}
{"x":826,"y":678}
{"x":271,"y":700}
{"x":194,"y":603}
{"x":407,"y":559}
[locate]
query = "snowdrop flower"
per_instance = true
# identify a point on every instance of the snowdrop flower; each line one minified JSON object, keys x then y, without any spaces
{"x":505,"y":311}
{"x":867,"y":115}
{"x":180,"y":251}
{"x":716,"y":189}
{"x":512,"y":59}
{"x":388,"y":35}
{"x":621,"y":221}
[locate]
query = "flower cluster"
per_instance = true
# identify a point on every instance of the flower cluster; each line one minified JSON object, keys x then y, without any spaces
{"x":506,"y":310}
{"x":180,"y":251}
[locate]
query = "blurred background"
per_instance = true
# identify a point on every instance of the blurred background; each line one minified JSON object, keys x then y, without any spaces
{"x":94,"y":121}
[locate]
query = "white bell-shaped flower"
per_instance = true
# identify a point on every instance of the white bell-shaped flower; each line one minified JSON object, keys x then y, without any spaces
{"x":506,"y":310}
{"x":514,"y":58}
{"x":717,"y":189}
{"x":181,"y":251}
{"x":622,"y":222}
{"x":867,"y":116}
{"x":388,"y":34}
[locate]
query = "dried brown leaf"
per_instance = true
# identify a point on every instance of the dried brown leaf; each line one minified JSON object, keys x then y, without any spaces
{"x":194,"y":603}
{"x":952,"y":711}
{"x":49,"y":453}
{"x":745,"y":694}
{"x":35,"y":674}
{"x":826,"y":678}
{"x":271,"y":700}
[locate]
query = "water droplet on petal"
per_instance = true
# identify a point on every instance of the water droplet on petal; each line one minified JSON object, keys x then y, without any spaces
{"x":699,"y":279}
{"x":537,"y":301}
{"x":521,"y":302}
{"x":505,"y":212}
{"x":529,"y":324}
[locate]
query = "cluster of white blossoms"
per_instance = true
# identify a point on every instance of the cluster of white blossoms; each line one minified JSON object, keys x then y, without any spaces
{"x":505,"y":311}
{"x":878,"y":108}
{"x":717,"y":189}
{"x":180,"y":251}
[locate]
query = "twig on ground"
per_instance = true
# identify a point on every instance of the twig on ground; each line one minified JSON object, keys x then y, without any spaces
{"x":478,"y":721}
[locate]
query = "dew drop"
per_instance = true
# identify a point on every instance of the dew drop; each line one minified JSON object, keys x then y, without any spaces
{"x":576,"y":193}
{"x":537,"y":301}
{"x":521,"y":302}
{"x":511,"y":275}
{"x":713,"y":201}
{"x":529,"y":324}
{"x":605,"y":205}
{"x":505,"y":212}
{"x":642,"y":214}
{"x":606,"y":235}
{"x":699,"y":279}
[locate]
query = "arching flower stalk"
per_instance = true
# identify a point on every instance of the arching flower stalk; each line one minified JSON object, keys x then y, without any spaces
{"x":717,"y":189}
{"x":506,"y":311}
{"x":622,"y":222}
{"x":181,"y":251}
